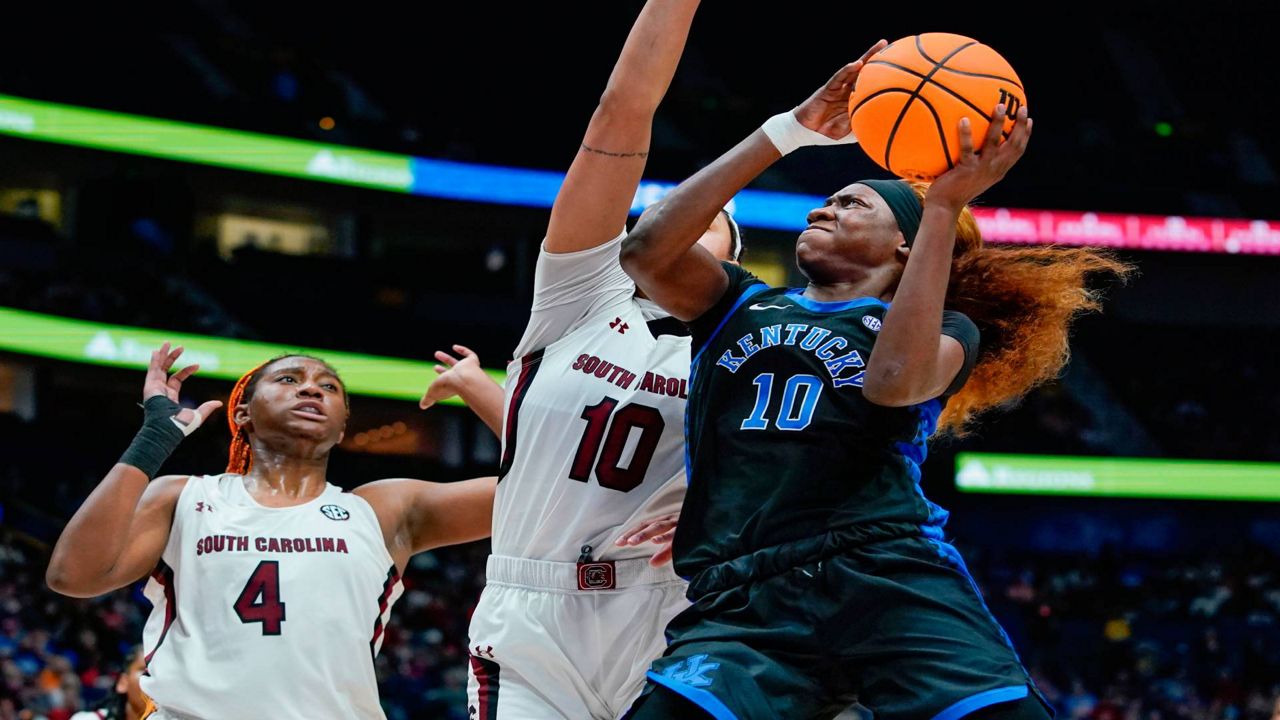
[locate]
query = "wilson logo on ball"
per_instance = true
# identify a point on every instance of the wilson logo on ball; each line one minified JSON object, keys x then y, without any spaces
{"x":1011,"y":101}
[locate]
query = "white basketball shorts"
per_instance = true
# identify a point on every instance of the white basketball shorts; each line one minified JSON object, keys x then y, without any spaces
{"x":543,"y":647}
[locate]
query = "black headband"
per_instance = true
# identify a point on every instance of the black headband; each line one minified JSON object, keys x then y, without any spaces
{"x":903,"y":202}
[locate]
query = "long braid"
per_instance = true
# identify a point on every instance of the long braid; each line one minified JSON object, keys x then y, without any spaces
{"x":240,"y":459}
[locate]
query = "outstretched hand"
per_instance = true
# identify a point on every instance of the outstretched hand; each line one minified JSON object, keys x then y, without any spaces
{"x":660,"y":531}
{"x":978,"y":170}
{"x":160,"y":382}
{"x":827,"y":110}
{"x":454,"y":373}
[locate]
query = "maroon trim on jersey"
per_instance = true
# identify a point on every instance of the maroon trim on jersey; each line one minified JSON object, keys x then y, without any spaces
{"x":486,"y":672}
{"x":163,"y":574}
{"x":528,"y":368}
{"x":393,"y":577}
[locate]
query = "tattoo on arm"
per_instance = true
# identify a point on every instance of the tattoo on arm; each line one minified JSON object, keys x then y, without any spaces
{"x":588,"y":148}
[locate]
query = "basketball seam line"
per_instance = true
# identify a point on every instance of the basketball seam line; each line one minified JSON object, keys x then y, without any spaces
{"x":942,"y":135}
{"x":916,"y":73}
{"x":907,"y":105}
{"x":877,"y":94}
{"x":925,"y":55}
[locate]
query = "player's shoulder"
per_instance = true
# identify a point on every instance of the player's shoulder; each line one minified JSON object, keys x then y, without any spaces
{"x":390,"y":496}
{"x":169,"y":487}
{"x":612,"y":245}
{"x":615,"y":320}
{"x":378,"y":489}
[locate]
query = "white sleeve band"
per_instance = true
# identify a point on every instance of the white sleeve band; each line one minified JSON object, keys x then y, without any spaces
{"x":787,"y":134}
{"x":188,"y":429}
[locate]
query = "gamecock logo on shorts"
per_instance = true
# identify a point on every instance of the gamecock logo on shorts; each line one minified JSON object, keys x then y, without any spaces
{"x":335,"y":512}
{"x":596,"y":576}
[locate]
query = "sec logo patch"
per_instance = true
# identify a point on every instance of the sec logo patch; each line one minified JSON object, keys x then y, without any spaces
{"x":335,"y":512}
{"x":872,"y":322}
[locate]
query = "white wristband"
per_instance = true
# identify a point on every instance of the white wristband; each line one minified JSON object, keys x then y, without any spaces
{"x":786,"y":133}
{"x":188,"y":428}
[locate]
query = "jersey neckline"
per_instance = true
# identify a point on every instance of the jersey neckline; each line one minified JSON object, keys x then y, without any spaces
{"x":797,"y":296}
{"x":240,"y":489}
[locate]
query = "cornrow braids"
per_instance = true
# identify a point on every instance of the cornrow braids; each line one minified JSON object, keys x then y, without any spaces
{"x":240,"y":458}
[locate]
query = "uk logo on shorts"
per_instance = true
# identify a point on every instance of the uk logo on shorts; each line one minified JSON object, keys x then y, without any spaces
{"x":335,"y":512}
{"x":692,"y":671}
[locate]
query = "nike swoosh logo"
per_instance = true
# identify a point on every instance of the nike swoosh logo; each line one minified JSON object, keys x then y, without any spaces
{"x":758,"y":306}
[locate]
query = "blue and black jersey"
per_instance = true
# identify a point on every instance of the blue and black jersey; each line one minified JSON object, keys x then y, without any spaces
{"x":782,"y":446}
{"x":817,"y":567}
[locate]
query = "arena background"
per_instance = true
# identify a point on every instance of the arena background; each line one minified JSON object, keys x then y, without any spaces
{"x":1142,"y":608}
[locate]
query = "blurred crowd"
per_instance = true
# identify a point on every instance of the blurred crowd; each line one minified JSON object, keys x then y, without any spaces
{"x":1121,"y":636}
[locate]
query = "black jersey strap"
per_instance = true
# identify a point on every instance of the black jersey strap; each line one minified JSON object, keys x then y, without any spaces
{"x":667,"y":326}
{"x":746,"y":295}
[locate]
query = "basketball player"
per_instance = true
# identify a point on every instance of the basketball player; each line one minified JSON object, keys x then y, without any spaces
{"x":818,"y":571}
{"x":592,"y":433}
{"x":270,"y":586}
{"x":462,"y":376}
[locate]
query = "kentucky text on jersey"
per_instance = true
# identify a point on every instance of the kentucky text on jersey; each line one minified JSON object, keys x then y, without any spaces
{"x":624,"y":378}
{"x":242,"y":543}
{"x":813,"y":338}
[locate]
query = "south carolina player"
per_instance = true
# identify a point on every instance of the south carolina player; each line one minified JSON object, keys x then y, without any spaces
{"x":593,"y":432}
{"x":270,"y":586}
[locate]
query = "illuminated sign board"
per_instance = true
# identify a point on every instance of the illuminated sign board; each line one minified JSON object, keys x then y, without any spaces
{"x":62,"y":338}
{"x":255,"y":152}
{"x":1117,"y":477}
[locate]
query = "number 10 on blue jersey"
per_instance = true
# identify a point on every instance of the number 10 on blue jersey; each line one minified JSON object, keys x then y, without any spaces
{"x":799,"y":399}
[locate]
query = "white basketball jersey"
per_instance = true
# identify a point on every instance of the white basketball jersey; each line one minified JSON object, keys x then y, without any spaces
{"x":593,"y":431}
{"x":268,"y":613}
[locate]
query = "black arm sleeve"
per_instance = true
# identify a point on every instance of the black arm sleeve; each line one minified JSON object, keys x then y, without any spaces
{"x":959,"y":326}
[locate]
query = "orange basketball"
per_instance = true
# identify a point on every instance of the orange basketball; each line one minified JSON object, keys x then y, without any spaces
{"x":907,"y":103}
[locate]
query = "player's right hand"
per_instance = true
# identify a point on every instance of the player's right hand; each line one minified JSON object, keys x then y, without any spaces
{"x":827,"y":110}
{"x":160,"y":382}
{"x":660,"y":531}
{"x":454,"y":375}
{"x":977,"y":170}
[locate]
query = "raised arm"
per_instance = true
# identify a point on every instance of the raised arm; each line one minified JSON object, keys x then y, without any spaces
{"x":913,"y":361}
{"x":592,"y":205}
{"x":119,"y":533}
{"x":417,"y":515}
{"x":661,"y":254}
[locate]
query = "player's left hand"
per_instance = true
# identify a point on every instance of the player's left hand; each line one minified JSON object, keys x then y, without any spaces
{"x":160,"y":382}
{"x":827,"y":110}
{"x":660,"y":531}
{"x":978,"y":170}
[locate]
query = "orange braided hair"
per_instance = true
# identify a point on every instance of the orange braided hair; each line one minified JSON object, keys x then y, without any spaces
{"x":239,"y":459}
{"x":1023,"y":300}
